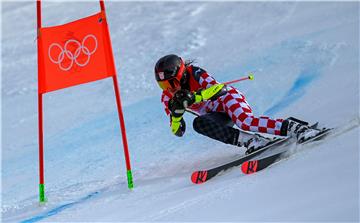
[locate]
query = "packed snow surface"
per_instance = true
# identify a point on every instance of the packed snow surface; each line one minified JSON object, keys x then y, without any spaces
{"x":305,"y":58}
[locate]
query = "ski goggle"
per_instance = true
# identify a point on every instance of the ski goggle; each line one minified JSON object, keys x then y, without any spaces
{"x":174,"y":82}
{"x":169,"y":84}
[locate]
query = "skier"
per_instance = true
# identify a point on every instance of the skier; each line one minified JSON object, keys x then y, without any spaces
{"x":187,"y":87}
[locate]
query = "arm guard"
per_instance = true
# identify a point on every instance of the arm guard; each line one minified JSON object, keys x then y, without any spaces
{"x":212,"y":93}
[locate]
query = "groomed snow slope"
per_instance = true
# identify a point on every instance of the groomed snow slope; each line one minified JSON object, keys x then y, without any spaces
{"x":305,"y":57}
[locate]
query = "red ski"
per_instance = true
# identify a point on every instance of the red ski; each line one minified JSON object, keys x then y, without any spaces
{"x":253,"y":166}
{"x":201,"y":176}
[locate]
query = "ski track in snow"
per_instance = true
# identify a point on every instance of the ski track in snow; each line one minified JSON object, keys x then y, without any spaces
{"x":59,"y":209}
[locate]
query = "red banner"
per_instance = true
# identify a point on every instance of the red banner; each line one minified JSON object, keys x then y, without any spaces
{"x":74,"y":53}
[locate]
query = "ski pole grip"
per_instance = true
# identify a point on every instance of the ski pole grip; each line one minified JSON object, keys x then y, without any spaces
{"x":249,"y":77}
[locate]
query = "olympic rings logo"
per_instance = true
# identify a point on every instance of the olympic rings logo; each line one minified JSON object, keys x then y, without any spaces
{"x":72,"y":55}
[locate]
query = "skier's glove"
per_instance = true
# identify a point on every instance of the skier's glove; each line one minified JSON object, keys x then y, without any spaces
{"x":212,"y":93}
{"x":181,"y":100}
{"x":178,"y":126}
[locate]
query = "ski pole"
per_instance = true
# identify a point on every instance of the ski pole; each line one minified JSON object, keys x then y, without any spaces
{"x":250,"y":77}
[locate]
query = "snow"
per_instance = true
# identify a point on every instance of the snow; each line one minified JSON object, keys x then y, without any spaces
{"x":305,"y":57}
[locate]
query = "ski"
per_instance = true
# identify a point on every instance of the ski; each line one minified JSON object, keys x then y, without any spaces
{"x":201,"y":176}
{"x":253,"y":166}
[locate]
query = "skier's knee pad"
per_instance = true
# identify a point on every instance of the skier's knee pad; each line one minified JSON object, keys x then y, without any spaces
{"x":207,"y":126}
{"x":199,"y":125}
{"x":209,"y":123}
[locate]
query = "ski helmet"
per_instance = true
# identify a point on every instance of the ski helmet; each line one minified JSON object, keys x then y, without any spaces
{"x":169,"y":71}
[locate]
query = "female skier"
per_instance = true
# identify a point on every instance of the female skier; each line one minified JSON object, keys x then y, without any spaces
{"x":187,"y":87}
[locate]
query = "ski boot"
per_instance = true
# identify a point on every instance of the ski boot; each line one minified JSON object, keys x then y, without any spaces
{"x":296,"y":128}
{"x":255,"y":143}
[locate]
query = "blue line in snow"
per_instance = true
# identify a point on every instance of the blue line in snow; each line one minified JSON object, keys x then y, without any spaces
{"x":296,"y":91}
{"x":59,"y":209}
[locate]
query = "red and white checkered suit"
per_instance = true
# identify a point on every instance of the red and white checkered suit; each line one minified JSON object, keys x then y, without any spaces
{"x":234,"y":104}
